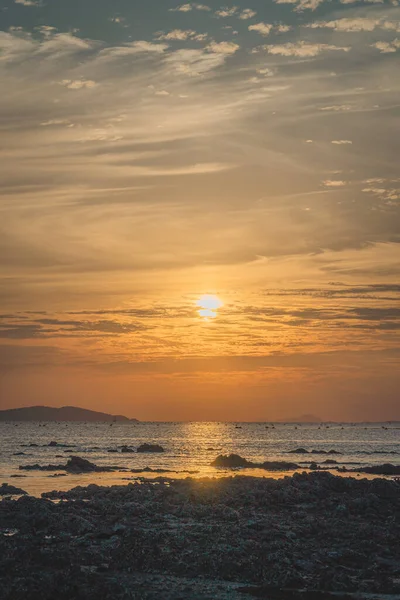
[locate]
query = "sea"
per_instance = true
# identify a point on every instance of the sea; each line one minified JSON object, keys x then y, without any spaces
{"x":190,"y":448}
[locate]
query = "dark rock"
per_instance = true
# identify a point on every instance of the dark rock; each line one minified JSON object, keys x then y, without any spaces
{"x":75,"y":464}
{"x":150,"y":470}
{"x":298,"y":451}
{"x":325,"y":452}
{"x":231,"y":461}
{"x":127,"y":449}
{"x":10,"y":490}
{"x":150,"y":448}
{"x":236,"y":461}
{"x":386,"y":469}
{"x":53,"y":444}
{"x":37,"y":467}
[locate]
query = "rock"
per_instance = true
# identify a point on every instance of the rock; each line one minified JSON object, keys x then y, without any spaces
{"x":236,"y":461}
{"x":53,"y":444}
{"x":298,"y":451}
{"x":127,"y":449}
{"x":231,"y":461}
{"x":10,"y":490}
{"x":150,"y":448}
{"x":325,"y":452}
{"x":330,"y":461}
{"x":37,"y":467}
{"x":385,"y":469}
{"x":150,"y":470}
{"x":76,"y":464}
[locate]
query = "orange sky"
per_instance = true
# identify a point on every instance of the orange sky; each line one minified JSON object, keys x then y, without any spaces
{"x":154,"y":154}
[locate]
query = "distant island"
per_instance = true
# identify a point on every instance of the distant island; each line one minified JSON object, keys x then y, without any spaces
{"x":65,"y":413}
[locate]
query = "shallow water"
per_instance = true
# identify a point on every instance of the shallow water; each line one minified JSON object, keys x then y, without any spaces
{"x":188,"y":447}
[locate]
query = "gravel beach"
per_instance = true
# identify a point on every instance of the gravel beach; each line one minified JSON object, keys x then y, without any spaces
{"x":311,"y":535}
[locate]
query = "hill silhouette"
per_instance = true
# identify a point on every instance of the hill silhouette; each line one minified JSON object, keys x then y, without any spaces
{"x":65,"y":413}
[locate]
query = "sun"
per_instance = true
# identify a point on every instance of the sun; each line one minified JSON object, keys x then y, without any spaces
{"x":209,"y":304}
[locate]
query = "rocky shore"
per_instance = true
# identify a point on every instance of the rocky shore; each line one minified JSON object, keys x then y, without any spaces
{"x":311,"y":536}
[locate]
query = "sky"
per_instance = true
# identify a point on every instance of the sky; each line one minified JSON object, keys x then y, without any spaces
{"x":153,"y":152}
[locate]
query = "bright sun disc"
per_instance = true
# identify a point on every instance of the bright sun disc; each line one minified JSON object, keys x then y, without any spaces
{"x":209,"y":304}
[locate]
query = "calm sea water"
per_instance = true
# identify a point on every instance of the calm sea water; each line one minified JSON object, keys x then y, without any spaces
{"x":188,"y":447}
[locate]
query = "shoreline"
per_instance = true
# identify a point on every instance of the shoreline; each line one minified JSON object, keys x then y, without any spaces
{"x":37,"y":482}
{"x":206,"y":538}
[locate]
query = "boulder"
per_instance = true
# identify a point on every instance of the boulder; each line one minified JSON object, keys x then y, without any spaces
{"x":10,"y":490}
{"x":386,"y":469}
{"x":231,"y":461}
{"x":150,"y":448}
{"x":76,"y":464}
{"x":127,"y":449}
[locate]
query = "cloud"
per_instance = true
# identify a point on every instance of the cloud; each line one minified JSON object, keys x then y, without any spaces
{"x":283,"y":28}
{"x":29,"y":2}
{"x":78,"y":84}
{"x":247,"y":13}
{"x":189,"y":7}
{"x":336,"y":108}
{"x":262,"y":28}
{"x":193,"y":63}
{"x":182,"y":35}
{"x":387,"y":47}
{"x":334,"y":183}
{"x":223,"y":47}
{"x":302,"y":4}
{"x":227,"y":12}
{"x":303,"y":49}
{"x":144,"y":46}
{"x":356,"y":24}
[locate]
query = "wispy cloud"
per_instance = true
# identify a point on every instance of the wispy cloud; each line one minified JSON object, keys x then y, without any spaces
{"x":303,"y":49}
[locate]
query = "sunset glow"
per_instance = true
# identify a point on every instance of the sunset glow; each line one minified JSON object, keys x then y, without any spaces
{"x":200,"y":208}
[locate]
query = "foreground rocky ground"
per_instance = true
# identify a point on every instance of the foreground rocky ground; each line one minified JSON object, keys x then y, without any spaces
{"x":302,"y":537}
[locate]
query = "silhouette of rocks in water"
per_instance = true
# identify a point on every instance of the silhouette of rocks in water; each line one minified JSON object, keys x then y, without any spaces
{"x":10,"y":490}
{"x":298,"y":538}
{"x":386,"y":469}
{"x":75,"y":464}
{"x":304,"y":451}
{"x":236,"y":461}
{"x":126,"y":449}
{"x":150,"y":448}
